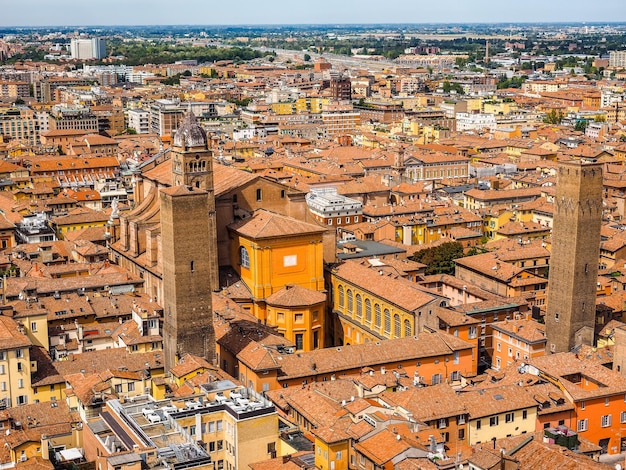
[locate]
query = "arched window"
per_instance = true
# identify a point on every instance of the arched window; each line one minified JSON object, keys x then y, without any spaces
{"x":368,"y":311}
{"x":244,"y":257}
{"x":377,"y":315}
{"x":396,"y":325}
{"x":359,"y":306}
{"x":387,"y":321}
{"x":341,"y":299}
{"x":408,"y":331}
{"x":350,"y":301}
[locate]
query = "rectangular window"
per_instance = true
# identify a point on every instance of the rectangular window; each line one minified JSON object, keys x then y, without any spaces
{"x":622,"y":417}
{"x":2,"y":369}
{"x":457,"y":357}
{"x":291,"y":260}
{"x":19,"y":353}
{"x":33,"y":326}
{"x":509,"y":417}
{"x":3,"y":357}
{"x":131,"y":387}
{"x":118,"y":388}
{"x":606,"y":421}
{"x":259,"y":195}
{"x":219,"y":426}
{"x":493,"y":421}
{"x":478,"y":424}
{"x":582,"y":425}
{"x":299,"y":341}
{"x":220,"y":444}
{"x":461,"y":434}
{"x":212,"y":426}
{"x":524,"y":414}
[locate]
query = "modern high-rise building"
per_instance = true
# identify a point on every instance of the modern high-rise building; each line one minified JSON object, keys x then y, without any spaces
{"x":571,"y":309}
{"x":88,"y":49}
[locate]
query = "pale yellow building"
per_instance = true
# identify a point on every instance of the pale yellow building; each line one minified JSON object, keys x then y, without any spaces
{"x":15,"y":364}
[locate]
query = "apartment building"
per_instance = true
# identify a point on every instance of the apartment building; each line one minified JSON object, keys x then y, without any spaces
{"x":223,"y":427}
{"x":15,"y":364}
{"x":516,"y":340}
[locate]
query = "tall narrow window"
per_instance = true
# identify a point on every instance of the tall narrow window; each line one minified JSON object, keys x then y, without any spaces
{"x":368,"y":313}
{"x":359,"y":306}
{"x":408,"y":331}
{"x":387,"y":321}
{"x":191,"y":266}
{"x":259,"y":194}
{"x":396,"y":325}
{"x":377,"y":315}
{"x":244,"y":257}
{"x":341,"y":297}
{"x":350,"y":301}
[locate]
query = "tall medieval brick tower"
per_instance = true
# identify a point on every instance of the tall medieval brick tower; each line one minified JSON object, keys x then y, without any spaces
{"x":189,"y":247}
{"x":571,"y":309}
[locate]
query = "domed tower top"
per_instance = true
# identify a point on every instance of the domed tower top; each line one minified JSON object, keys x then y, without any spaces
{"x":190,"y":134}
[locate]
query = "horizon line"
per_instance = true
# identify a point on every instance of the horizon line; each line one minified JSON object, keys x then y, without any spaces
{"x":510,"y":23}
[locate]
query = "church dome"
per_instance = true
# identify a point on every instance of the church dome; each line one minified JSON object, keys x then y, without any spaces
{"x":190,"y":133}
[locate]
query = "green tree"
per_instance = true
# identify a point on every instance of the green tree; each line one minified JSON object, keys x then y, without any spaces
{"x":553,"y":117}
{"x":307,"y":58}
{"x":440,"y":259}
{"x":581,"y":125}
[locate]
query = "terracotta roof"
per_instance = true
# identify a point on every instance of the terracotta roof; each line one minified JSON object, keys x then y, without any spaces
{"x":226,"y":178}
{"x":482,"y":403}
{"x":397,"y":290}
{"x":527,"y":330}
{"x":10,"y":335}
{"x":427,"y":403}
{"x":266,"y":224}
{"x":570,"y":368}
{"x":345,"y":358}
{"x":295,"y":296}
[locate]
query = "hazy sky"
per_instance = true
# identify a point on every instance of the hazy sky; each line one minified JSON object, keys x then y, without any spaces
{"x":141,"y":12}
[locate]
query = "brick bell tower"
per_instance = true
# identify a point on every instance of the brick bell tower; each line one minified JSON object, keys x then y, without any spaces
{"x":571,"y":309}
{"x":189,"y":246}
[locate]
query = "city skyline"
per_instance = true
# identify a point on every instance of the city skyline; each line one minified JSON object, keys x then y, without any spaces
{"x":196,"y":12}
